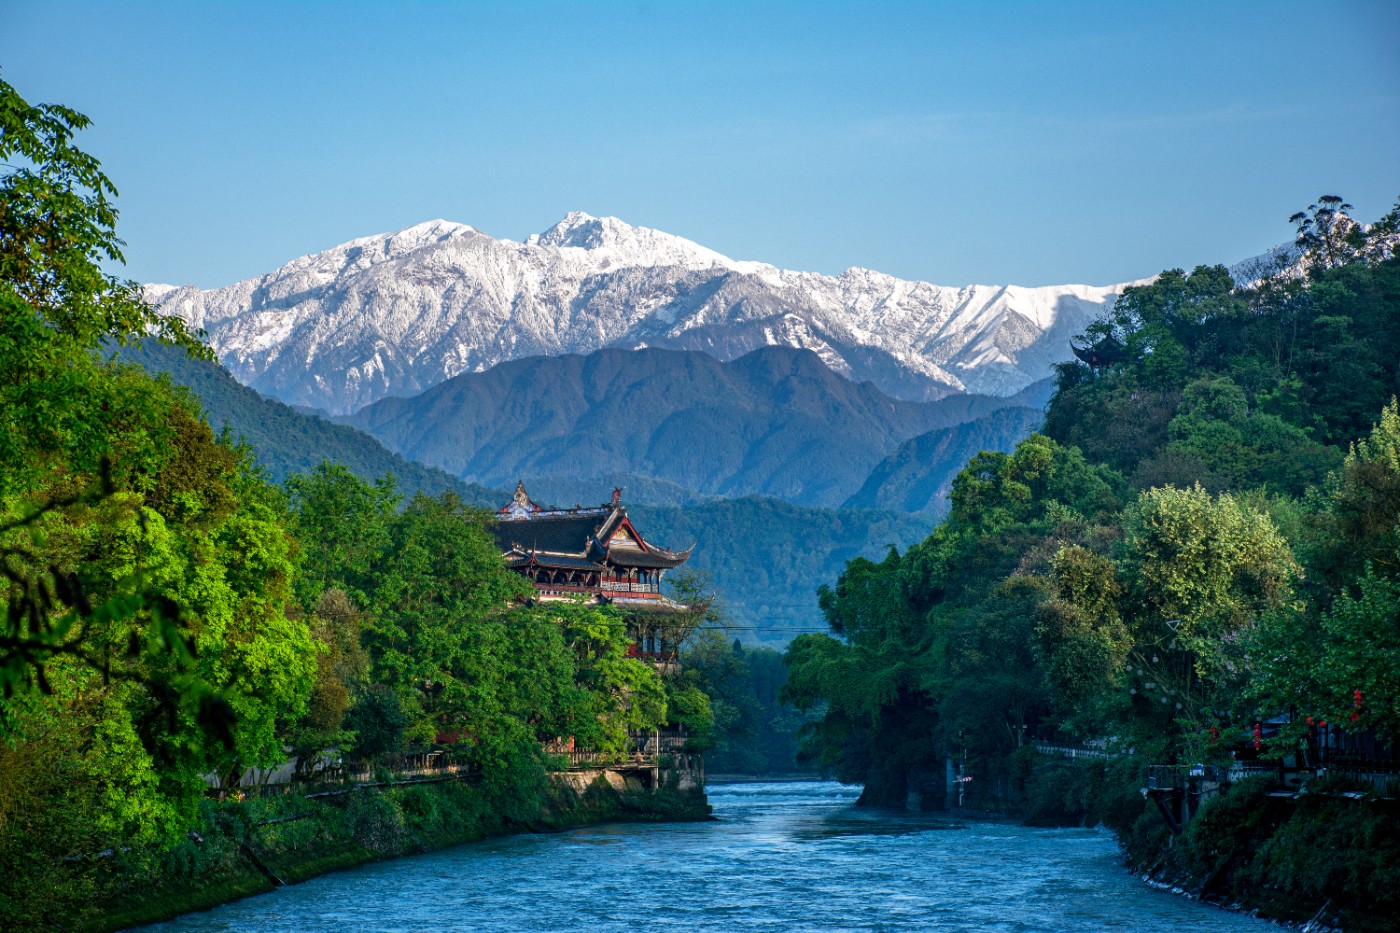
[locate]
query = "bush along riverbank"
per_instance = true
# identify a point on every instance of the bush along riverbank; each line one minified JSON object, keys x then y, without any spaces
{"x":250,"y":847}
{"x":1326,"y":853}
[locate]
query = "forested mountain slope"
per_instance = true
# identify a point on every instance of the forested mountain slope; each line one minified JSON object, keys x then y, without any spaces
{"x":767,"y":556}
{"x":918,"y":476}
{"x":776,"y":422}
{"x":286,"y":441}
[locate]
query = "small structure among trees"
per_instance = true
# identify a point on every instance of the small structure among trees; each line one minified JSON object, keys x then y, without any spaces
{"x":1108,"y":351}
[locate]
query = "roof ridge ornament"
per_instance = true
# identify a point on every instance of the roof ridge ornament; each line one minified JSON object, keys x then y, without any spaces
{"x":520,"y":506}
{"x":617,"y":495}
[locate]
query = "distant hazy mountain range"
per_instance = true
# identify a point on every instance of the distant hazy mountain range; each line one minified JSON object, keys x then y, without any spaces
{"x":775,"y":422}
{"x":395,"y":314}
{"x":918,"y":476}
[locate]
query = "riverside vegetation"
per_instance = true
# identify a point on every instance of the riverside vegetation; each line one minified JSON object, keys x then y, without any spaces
{"x":1193,"y":543}
{"x":1205,"y":536}
{"x":172,"y":614}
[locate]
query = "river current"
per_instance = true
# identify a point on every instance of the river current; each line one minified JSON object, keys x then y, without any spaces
{"x":779,"y":857}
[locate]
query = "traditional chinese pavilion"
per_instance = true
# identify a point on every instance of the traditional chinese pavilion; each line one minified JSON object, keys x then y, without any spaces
{"x":1107,"y":352}
{"x":593,"y":552}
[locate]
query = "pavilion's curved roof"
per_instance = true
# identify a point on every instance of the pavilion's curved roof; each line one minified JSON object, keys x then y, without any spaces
{"x":657,"y":557}
{"x":553,"y":562}
{"x":578,"y":538}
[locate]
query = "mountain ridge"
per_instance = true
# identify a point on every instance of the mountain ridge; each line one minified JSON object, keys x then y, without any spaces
{"x":773,"y":422}
{"x":398,"y":313}
{"x":283,"y":440}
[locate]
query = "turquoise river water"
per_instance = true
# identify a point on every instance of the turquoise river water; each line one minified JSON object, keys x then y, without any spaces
{"x":779,"y":856}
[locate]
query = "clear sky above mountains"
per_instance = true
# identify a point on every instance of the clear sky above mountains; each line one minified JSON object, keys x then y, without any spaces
{"x":1020,"y":143}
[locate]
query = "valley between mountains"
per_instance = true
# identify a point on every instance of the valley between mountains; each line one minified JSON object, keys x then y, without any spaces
{"x":784,"y":421}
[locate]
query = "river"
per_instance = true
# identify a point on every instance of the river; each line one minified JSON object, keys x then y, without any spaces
{"x":780,"y":857}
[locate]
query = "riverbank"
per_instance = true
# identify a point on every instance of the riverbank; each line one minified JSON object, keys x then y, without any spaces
{"x":1328,"y":855}
{"x":247,"y":848}
{"x":778,"y":856}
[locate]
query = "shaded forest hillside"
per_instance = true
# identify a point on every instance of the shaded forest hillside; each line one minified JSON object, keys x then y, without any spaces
{"x":286,"y":441}
{"x":767,"y":556}
{"x":918,"y":476}
{"x":776,"y":422}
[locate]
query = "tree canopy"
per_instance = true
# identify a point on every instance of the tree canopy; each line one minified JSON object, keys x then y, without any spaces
{"x":1203,"y":537}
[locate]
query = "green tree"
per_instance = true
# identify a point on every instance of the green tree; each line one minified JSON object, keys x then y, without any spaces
{"x":57,"y":228}
{"x":1361,"y":525}
{"x":342,"y":673}
{"x":1359,"y":674}
{"x":144,"y":564}
{"x":1200,"y":573}
{"x":342,"y":524}
{"x":1082,"y":637}
{"x":1327,"y":235}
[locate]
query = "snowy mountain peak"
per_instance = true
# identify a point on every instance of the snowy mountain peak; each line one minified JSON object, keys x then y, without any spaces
{"x":619,"y":243}
{"x":582,"y":230}
{"x":416,"y":237}
{"x":397,"y":313}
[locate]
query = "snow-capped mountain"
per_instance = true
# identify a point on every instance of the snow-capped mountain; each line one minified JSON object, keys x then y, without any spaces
{"x":398,"y":313}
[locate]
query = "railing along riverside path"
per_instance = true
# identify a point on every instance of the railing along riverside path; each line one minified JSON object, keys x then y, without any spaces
{"x":644,"y":751}
{"x":1072,"y":751}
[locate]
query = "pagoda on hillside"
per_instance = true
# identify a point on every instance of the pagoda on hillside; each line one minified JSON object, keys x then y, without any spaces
{"x":594,"y":553}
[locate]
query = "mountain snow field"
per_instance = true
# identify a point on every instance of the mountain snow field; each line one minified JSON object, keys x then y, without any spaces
{"x":395,"y":314}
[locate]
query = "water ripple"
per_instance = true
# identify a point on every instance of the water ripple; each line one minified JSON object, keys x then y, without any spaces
{"x":782,"y":856}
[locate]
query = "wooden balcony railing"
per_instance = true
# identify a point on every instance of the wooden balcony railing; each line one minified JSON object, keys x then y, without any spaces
{"x":643,"y":590}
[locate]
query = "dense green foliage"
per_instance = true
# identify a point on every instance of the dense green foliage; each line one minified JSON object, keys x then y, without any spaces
{"x":174,"y":618}
{"x":753,"y":731}
{"x":146,"y":566}
{"x":1204,"y":537}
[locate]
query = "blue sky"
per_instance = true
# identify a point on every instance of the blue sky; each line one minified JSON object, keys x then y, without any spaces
{"x":1026,"y":143}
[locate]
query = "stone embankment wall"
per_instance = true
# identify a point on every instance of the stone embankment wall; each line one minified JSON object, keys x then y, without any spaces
{"x":247,"y":848}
